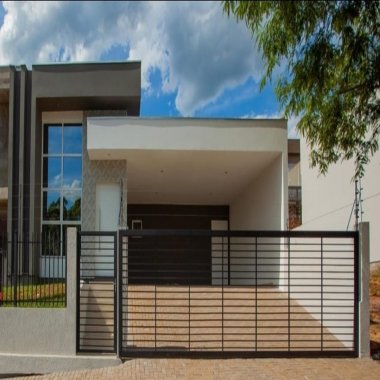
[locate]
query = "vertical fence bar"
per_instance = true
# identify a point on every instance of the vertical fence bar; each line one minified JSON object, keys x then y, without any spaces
{"x":20,"y":288}
{"x":2,"y":263}
{"x":222,"y":293}
{"x":9,"y":270}
{"x":321,"y":293}
{"x":256,"y":289}
{"x":229,"y":261}
{"x":357,"y":295}
{"x":189,"y":324}
{"x":120,"y":289}
{"x":289,"y":309}
{"x":30,"y":269}
{"x":155,"y":317}
{"x":64,"y":271}
{"x":79,"y":241}
{"x":115,"y":298}
{"x":15,"y":268}
{"x":33,"y":272}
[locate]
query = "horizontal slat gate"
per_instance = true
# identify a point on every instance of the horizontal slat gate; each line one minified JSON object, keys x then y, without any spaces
{"x":280,"y":293}
{"x":96,"y":292}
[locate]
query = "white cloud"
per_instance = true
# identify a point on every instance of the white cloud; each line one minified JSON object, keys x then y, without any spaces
{"x":75,"y":184}
{"x":292,"y":125}
{"x":56,"y":181}
{"x":198,"y":50}
{"x":253,"y":115}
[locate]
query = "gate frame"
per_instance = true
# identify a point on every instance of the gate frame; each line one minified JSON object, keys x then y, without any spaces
{"x":285,"y":234}
{"x":115,"y":287}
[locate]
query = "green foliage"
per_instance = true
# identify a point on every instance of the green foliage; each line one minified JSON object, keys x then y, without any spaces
{"x":72,"y":213}
{"x":332,"y":53}
{"x":35,"y":295}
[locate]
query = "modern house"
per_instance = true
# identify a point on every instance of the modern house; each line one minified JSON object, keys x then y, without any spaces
{"x":182,"y":245}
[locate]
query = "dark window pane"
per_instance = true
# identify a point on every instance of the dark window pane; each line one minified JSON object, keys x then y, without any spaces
{"x":51,"y":205}
{"x":52,"y":172}
{"x":51,"y":240}
{"x":52,"y":139}
{"x":72,"y":139}
{"x":71,"y":205}
{"x":72,"y":172}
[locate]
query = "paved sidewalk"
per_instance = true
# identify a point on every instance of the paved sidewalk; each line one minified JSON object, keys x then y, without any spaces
{"x":230,"y":369}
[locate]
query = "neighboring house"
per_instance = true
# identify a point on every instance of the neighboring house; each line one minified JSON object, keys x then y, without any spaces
{"x":184,"y":242}
{"x":328,"y":200}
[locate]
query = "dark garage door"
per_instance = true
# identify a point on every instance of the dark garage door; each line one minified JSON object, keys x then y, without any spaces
{"x":172,"y":259}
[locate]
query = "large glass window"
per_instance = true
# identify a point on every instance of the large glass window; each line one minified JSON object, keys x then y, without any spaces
{"x":61,"y":184}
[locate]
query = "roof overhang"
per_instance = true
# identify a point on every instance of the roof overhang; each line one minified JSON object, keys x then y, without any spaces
{"x":187,"y":161}
{"x":88,"y":86}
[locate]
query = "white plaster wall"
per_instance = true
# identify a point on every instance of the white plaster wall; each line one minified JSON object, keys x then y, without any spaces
{"x":327,"y":200}
{"x":294,"y":174}
{"x":261,"y":206}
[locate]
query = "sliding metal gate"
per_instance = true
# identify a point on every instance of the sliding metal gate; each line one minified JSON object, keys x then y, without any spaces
{"x":96,"y":291}
{"x":260,"y":293}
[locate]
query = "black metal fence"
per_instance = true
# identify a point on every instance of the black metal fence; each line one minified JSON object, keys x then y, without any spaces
{"x":96,"y":292}
{"x":245,"y":293}
{"x":28,"y":276}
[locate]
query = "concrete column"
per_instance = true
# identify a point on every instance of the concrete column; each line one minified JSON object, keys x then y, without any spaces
{"x":364,"y":317}
{"x":71,"y":284}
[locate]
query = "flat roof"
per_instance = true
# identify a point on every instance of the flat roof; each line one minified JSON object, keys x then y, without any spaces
{"x":73,"y":66}
{"x":153,"y":121}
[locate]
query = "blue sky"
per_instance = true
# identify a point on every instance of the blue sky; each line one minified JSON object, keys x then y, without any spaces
{"x":195,"y":60}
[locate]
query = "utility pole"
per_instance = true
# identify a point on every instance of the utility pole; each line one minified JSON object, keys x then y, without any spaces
{"x":358,"y":204}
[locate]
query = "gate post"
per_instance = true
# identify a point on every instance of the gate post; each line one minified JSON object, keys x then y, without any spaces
{"x":71,"y":283}
{"x":364,"y":317}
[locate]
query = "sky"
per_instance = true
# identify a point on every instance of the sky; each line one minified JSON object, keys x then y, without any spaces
{"x":196,"y":61}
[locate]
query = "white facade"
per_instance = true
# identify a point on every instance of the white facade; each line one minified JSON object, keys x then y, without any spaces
{"x":327,"y":200}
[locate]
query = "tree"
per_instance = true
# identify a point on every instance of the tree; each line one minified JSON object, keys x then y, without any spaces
{"x":332,"y":53}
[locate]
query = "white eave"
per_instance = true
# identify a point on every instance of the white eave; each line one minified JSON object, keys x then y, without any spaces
{"x":112,"y":137}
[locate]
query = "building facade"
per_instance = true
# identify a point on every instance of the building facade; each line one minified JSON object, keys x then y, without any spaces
{"x":51,"y":166}
{"x":195,"y":207}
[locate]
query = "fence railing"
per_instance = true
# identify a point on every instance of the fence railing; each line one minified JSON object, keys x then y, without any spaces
{"x":28,"y":276}
{"x":249,"y":292}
